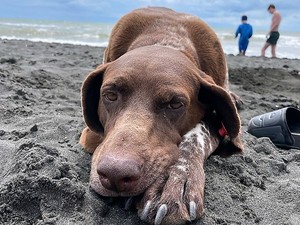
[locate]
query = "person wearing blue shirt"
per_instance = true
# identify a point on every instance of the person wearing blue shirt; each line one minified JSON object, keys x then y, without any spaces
{"x":245,"y":31}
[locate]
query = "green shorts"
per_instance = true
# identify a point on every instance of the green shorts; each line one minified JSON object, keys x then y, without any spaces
{"x":273,"y":37}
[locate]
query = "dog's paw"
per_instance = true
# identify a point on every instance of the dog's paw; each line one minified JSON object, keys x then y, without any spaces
{"x":176,"y":200}
{"x":90,"y":140}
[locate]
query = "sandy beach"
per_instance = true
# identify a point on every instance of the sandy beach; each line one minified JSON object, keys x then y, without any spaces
{"x":44,"y":172}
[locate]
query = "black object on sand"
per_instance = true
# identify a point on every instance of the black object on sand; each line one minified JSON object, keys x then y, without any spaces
{"x":281,"y":126}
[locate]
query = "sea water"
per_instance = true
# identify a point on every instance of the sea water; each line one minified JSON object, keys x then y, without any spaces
{"x":78,"y":33}
{"x":97,"y":34}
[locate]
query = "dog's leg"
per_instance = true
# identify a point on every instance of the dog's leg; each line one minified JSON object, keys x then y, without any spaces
{"x":90,"y":140}
{"x":181,"y":198}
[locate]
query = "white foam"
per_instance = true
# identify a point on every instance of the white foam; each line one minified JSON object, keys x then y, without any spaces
{"x":97,"y":34}
{"x":51,"y":40}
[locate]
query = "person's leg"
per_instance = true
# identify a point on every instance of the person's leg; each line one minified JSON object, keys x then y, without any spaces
{"x":273,"y":44}
{"x":263,"y":50}
{"x":240,"y":47}
{"x":273,"y":51}
{"x":245,"y":47}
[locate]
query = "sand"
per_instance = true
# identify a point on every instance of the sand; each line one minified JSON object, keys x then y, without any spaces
{"x":44,"y":172}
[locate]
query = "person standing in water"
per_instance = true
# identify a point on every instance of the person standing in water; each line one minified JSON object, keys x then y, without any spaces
{"x":245,"y":31}
{"x":273,"y":34}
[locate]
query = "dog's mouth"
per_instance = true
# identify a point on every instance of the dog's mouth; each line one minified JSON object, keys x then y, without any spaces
{"x":119,"y":195}
{"x":126,"y":202}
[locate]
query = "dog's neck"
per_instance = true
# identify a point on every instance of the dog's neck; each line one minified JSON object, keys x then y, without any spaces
{"x":169,"y":40}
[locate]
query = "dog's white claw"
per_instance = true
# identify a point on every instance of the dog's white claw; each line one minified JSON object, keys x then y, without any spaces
{"x":146,"y":210}
{"x":161,"y":213}
{"x":193,"y":210}
{"x":128,"y":203}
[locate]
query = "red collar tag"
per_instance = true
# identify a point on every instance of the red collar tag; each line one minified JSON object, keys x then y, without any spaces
{"x":222,"y":131}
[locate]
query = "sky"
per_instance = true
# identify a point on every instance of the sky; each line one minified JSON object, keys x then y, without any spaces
{"x":217,"y":13}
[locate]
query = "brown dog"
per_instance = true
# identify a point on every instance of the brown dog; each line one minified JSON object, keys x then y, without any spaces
{"x":163,"y":73}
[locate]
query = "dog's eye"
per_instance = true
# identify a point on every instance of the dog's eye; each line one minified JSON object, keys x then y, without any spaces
{"x":111,"y":96}
{"x":175,"y":105}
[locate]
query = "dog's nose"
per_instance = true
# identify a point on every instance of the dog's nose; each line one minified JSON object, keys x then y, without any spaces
{"x":118,"y":173}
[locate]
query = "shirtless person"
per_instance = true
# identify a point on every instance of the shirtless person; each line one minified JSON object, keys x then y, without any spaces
{"x":273,"y":33}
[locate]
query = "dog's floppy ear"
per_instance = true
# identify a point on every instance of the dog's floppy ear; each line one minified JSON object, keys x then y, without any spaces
{"x":219,"y":100}
{"x":90,"y":96}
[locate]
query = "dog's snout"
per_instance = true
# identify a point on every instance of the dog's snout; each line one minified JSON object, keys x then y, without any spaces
{"x":119,"y":173}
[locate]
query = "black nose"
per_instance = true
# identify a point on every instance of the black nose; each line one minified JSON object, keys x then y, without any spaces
{"x":119,"y":173}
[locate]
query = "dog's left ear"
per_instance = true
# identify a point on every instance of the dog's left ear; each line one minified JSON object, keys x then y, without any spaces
{"x":219,"y":100}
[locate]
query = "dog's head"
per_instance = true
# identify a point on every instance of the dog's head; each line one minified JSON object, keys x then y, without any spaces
{"x":142,"y":104}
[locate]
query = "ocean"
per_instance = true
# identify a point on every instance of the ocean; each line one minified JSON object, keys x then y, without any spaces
{"x":97,"y":34}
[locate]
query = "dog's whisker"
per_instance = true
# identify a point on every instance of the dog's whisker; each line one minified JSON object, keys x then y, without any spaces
{"x":146,"y":210}
{"x":161,"y":213}
{"x":128,"y":203}
{"x":193,"y":209}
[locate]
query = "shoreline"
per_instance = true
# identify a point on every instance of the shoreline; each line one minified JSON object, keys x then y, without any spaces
{"x":104,"y":44}
{"x":44,"y":172}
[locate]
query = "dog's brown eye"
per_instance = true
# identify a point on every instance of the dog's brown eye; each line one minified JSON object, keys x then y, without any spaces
{"x":111,"y":96}
{"x":175,"y":105}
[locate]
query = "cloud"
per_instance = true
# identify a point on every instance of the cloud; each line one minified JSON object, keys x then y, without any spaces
{"x":151,"y":2}
{"x":218,"y":13}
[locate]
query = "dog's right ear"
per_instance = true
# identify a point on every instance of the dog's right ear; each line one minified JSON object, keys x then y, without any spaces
{"x":90,"y":96}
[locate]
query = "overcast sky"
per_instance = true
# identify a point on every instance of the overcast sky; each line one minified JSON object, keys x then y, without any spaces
{"x":217,"y":13}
